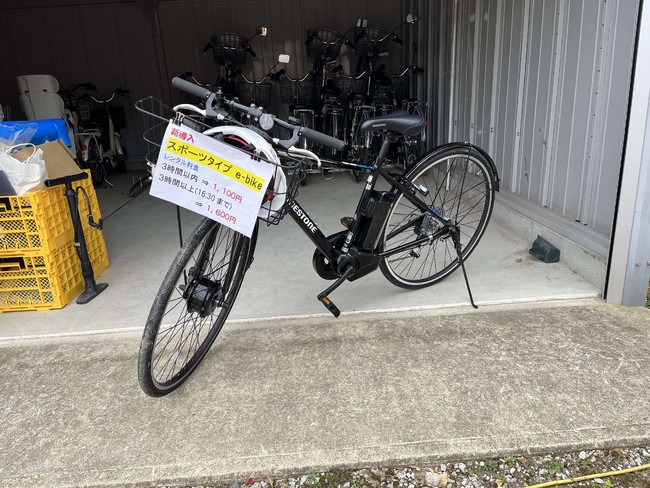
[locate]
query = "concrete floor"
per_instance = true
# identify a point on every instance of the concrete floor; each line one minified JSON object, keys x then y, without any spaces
{"x":295,"y":396}
{"x":142,"y":239}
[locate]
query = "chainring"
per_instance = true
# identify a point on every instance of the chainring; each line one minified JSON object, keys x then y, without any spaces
{"x":322,"y":266}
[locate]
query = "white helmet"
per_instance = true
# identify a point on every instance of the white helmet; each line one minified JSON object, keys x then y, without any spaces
{"x":277,"y":189}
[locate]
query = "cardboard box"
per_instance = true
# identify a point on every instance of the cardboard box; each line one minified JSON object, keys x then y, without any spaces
{"x":58,"y":159}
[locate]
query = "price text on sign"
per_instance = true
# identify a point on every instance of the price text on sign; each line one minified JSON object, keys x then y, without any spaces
{"x":210,"y":178}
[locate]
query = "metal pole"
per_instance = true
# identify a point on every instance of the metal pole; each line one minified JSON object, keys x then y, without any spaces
{"x":452,"y":72}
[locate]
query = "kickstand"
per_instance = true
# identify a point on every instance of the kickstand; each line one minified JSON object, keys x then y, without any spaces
{"x":455,"y":237}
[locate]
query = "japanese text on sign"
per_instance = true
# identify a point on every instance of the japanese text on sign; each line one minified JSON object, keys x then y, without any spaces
{"x":211,"y":178}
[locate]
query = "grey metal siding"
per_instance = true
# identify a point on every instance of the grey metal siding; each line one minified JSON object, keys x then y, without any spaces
{"x":542,"y":84}
{"x":550,"y":86}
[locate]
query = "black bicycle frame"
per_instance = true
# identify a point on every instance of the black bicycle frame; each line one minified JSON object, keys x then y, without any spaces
{"x":310,"y":228}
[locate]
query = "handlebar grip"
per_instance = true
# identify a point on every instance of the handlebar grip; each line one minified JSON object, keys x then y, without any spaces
{"x":323,"y":139}
{"x":191,"y":88}
{"x":250,"y":50}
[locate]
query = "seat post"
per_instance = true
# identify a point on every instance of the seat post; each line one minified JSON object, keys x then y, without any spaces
{"x":385,"y":143}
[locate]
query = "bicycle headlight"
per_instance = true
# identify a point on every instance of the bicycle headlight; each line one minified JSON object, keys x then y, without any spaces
{"x":266,"y":121}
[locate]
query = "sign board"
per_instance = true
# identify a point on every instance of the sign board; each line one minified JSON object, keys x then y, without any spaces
{"x":210,"y":178}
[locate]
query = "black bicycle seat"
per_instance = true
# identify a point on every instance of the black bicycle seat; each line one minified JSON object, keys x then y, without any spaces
{"x":399,"y":121}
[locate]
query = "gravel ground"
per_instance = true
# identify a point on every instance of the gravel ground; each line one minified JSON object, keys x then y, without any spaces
{"x":511,"y":471}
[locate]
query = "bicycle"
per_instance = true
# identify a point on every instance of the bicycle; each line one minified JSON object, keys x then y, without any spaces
{"x":229,"y":51}
{"x":114,"y":154}
{"x":419,"y":231}
{"x":390,"y":93}
{"x":298,"y":94}
{"x":99,"y":149}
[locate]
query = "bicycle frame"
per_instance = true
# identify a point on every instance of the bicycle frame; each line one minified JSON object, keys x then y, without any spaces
{"x":371,"y":258}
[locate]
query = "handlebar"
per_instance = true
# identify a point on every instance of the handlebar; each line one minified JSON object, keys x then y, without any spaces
{"x":118,"y":91}
{"x":209,"y":97}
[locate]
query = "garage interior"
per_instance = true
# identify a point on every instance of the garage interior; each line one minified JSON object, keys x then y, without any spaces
{"x":542,"y":85}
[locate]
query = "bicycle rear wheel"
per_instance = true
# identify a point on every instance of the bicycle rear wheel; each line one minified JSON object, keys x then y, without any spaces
{"x":461,"y":186}
{"x":192,"y":305}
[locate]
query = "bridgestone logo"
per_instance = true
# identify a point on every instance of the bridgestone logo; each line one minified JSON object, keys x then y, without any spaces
{"x":302,"y":216}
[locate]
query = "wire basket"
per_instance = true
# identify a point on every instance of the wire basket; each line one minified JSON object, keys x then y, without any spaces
{"x":282,"y":188}
{"x":156,"y":119}
{"x":293,"y":172}
{"x":228,"y":48}
{"x":297,"y":92}
{"x":390,"y":86}
{"x":254,"y":92}
{"x":350,"y":85}
{"x":323,"y":44}
{"x":372,"y":43}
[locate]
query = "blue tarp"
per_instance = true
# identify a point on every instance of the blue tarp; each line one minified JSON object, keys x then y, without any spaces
{"x":35,"y":131}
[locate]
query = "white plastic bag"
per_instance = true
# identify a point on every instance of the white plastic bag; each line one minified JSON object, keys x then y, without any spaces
{"x":24,"y":176}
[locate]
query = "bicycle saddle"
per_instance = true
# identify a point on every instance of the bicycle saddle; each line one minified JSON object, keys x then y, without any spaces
{"x":399,"y":121}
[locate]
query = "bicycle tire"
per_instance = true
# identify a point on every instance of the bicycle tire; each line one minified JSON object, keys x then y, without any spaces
{"x":96,"y":164}
{"x":360,"y":151}
{"x":175,"y":329}
{"x":461,"y":186}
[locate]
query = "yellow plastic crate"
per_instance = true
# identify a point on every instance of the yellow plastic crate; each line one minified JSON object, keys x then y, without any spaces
{"x":40,"y":221}
{"x":43,"y":281}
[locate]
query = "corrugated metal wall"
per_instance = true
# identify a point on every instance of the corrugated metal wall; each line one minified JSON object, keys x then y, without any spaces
{"x":141,"y":44}
{"x":106,"y":44}
{"x":287,"y":22}
{"x":543,"y":85}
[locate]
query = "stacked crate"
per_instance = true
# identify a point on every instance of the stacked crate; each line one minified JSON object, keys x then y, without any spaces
{"x":39,"y":266}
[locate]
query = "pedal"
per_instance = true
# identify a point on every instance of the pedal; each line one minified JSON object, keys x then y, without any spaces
{"x":346,"y":222}
{"x":329,"y":305}
{"x":322,"y":297}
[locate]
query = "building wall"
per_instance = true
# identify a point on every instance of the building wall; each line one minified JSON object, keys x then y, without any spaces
{"x":142,"y":44}
{"x":107,"y":44}
{"x":544,"y":86}
{"x":541,"y":84}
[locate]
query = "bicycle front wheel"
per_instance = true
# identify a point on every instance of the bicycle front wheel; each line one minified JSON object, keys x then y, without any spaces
{"x":192,"y":305}
{"x":461,"y":188}
{"x":96,"y":163}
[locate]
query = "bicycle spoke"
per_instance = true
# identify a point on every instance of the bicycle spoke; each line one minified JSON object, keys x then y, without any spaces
{"x":457,"y":194}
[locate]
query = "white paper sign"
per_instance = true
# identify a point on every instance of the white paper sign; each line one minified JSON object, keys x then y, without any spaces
{"x":210,"y":178}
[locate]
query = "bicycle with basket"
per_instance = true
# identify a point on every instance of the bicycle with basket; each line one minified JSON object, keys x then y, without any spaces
{"x":371,"y":43}
{"x":418,"y":231}
{"x":229,"y":51}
